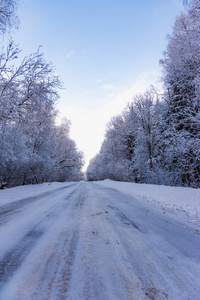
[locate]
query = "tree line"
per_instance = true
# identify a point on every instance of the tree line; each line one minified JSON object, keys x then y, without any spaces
{"x":156,"y":139}
{"x":33,"y":149}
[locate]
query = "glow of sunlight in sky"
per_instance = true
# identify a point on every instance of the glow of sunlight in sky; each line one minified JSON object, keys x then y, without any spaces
{"x":104,"y":51}
{"x":93,"y":120}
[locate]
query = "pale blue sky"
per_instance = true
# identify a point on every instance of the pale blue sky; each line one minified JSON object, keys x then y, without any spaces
{"x":105,"y":52}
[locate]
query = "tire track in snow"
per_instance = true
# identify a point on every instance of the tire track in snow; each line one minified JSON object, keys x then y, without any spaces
{"x":69,"y":251}
{"x":123,"y":218}
{"x":7,"y":210}
{"x":11,"y":262}
{"x":55,"y":278}
{"x":102,"y":247}
{"x":157,"y":263}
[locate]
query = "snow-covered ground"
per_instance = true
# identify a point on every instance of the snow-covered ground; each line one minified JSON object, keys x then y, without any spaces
{"x":104,"y":241}
{"x":20,"y":192}
{"x":182,"y":201}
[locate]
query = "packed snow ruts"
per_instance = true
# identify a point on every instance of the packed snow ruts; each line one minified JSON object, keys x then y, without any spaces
{"x":95,"y":242}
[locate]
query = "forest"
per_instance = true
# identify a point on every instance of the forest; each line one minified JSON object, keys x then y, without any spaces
{"x":156,"y":139}
{"x":33,"y":148}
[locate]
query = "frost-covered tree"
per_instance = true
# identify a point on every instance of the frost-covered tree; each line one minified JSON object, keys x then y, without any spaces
{"x":181,"y":66}
{"x":164,"y":144}
{"x":8,"y":16}
{"x":33,"y":148}
{"x":144,"y":151}
{"x":115,"y":158}
{"x":30,"y":142}
{"x":68,"y":161}
{"x":128,"y":152}
{"x":181,"y":74}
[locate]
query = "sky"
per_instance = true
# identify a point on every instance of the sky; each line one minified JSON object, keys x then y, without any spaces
{"x":105,"y":51}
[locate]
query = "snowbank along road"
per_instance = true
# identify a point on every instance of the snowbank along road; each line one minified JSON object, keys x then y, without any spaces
{"x":83,"y":241}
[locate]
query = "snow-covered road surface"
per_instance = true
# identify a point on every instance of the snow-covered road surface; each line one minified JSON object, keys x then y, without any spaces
{"x":83,"y":241}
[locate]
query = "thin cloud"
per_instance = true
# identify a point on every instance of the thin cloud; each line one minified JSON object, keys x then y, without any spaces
{"x":99,"y":80}
{"x":69,"y":54}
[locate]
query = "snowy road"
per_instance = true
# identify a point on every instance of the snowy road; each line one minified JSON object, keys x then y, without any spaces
{"x":83,"y":241}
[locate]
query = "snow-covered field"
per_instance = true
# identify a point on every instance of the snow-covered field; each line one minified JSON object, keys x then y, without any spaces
{"x":182,"y":201}
{"x":104,"y":241}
